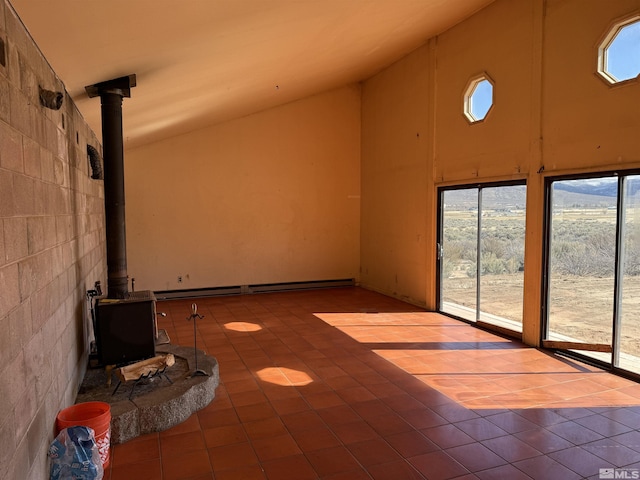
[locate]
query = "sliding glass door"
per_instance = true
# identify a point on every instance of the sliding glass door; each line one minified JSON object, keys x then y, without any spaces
{"x":592,"y":287}
{"x":481,"y":253}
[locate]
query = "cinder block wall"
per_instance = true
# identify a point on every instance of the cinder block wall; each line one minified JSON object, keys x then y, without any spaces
{"x":52,"y":249}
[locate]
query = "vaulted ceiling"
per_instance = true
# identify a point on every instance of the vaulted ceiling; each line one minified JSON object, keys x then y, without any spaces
{"x":200,"y":62}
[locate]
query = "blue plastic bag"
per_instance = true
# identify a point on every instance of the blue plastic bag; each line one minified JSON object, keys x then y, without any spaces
{"x":74,"y":455}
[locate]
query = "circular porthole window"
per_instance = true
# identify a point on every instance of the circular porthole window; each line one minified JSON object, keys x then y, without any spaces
{"x":478,"y":99}
{"x":619,"y":53}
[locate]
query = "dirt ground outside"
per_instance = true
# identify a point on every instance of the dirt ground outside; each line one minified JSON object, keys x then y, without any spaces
{"x":581,"y":307}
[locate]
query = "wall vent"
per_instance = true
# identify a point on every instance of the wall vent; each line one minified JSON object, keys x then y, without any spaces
{"x":3,"y":59}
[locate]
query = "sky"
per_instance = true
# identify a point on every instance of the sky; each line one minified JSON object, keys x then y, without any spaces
{"x":623,"y":54}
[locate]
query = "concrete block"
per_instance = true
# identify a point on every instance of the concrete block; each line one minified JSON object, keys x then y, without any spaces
{"x":7,"y":348}
{"x":31,"y":156}
{"x":14,"y":386}
{"x":19,"y":111}
{"x":3,"y":252}
{"x":10,"y":149}
{"x":34,"y":355}
{"x":57,"y":265}
{"x":7,"y":205}
{"x":16,"y":31}
{"x":64,"y":228}
{"x":8,"y":442}
{"x":13,"y":65}
{"x":2,"y":15}
{"x":10,"y":298}
{"x":40,"y":206}
{"x":20,"y":330}
{"x":28,"y":80}
{"x":59,"y":171}
{"x":37,"y":435}
{"x":24,"y":411}
{"x":15,"y":238}
{"x":35,"y":234}
{"x":38,"y":123}
{"x":5,"y":108}
{"x":50,"y":235}
{"x":46,"y":162}
{"x":23,"y":194}
{"x":28,"y":276}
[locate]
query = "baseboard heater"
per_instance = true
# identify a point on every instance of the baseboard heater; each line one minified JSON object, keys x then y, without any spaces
{"x":251,"y":289}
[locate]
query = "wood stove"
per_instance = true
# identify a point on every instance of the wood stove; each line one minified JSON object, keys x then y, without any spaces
{"x":126,"y":329}
{"x":125,"y":321}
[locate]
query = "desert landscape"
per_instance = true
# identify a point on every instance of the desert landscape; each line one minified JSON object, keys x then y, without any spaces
{"x":582,"y":265}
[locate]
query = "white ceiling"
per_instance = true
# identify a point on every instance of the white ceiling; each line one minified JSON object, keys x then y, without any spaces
{"x":200,"y":62}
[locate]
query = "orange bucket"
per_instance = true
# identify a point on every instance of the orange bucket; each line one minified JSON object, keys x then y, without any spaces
{"x":96,"y":415}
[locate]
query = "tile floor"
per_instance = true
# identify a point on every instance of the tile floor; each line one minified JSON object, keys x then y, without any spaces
{"x":347,"y":384}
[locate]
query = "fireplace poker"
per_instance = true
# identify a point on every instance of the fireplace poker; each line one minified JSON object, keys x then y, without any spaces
{"x":194,"y":316}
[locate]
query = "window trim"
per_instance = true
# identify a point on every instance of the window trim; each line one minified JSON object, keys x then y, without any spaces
{"x":606,"y":42}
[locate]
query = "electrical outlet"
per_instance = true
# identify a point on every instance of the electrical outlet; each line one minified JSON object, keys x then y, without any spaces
{"x":180,"y":279}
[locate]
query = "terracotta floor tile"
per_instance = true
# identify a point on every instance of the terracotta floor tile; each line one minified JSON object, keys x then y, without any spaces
{"x":360,"y":474}
{"x":574,"y":433}
{"x":265,"y":428}
{"x":354,"y":432}
{"x":275,"y":447}
{"x":625,"y":416}
{"x":191,"y":424}
{"x":315,"y":439}
{"x":139,"y":470}
{"x":225,"y":435}
{"x":186,"y":466}
{"x":324,"y":399}
{"x":338,"y":415}
{"x":302,"y":421}
{"x":423,"y":418}
{"x":181,"y":443}
{"x":394,"y":471}
{"x":139,"y":449}
{"x":295,"y":467}
{"x":545,"y":468}
{"x":438,"y":465}
{"x":630,"y":440}
{"x":251,"y":472}
{"x":373,"y":452}
{"x":480,"y":429}
{"x":226,"y":457}
{"x":447,"y":436}
{"x":258,"y":411}
{"x":613,"y":452}
{"x":543,"y":440}
{"x":332,"y":460}
{"x":286,"y":405}
{"x":390,"y":384}
{"x":217,"y":418}
{"x":510,"y":448}
{"x":475,"y":457}
{"x":511,"y":422}
{"x":541,"y":417}
{"x":411,"y":443}
{"x":580,"y":461}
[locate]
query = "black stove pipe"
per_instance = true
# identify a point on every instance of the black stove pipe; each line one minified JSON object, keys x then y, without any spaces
{"x":111,"y":93}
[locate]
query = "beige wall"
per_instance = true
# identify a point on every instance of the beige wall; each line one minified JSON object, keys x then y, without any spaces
{"x":269,"y":198}
{"x":52,"y":250}
{"x":395,"y":148}
{"x":550,"y":109}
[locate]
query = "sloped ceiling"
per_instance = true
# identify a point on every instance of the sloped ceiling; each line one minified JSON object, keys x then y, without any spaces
{"x":200,"y":62}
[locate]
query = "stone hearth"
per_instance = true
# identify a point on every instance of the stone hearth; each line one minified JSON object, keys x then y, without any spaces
{"x":156,"y":404}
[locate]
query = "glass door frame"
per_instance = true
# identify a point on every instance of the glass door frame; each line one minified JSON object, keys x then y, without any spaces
{"x":439,"y":248}
{"x":618,"y":271}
